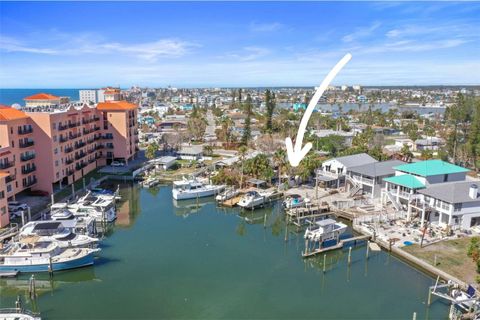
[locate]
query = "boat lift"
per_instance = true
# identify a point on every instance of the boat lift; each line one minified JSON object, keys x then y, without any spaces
{"x":465,"y":306}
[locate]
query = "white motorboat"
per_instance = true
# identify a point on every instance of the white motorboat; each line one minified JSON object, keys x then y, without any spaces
{"x":78,"y":222}
{"x":101,"y":208}
{"x":253,"y":199}
{"x":55,"y":231}
{"x":325,"y":230}
{"x":191,"y":189}
{"x":43,"y":256}
{"x":228,"y":194}
{"x":295,"y":201}
{"x":150,"y":182}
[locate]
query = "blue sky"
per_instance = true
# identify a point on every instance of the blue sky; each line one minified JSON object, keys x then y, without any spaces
{"x":213,"y":44}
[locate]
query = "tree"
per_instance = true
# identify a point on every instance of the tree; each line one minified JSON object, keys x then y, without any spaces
{"x":405,"y":151}
{"x":151,"y":150}
{"x":196,"y":127}
{"x":270,"y":106}
{"x":280,"y":161}
{"x":246,"y":130}
{"x":242,"y":151}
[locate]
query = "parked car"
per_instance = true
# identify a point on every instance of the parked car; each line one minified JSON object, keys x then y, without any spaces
{"x":16,"y":206}
{"x":117,"y":164}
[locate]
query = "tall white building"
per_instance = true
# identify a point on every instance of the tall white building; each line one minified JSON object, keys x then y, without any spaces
{"x":88,"y":96}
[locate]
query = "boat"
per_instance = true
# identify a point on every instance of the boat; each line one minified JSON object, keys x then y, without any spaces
{"x":228,"y":194}
{"x":99,"y":191}
{"x":79,"y":225}
{"x":295,"y":201}
{"x":253,"y":199}
{"x":18,"y":313}
{"x":100,"y":208}
{"x":325,"y":230}
{"x":465,"y":299}
{"x":55,"y":231}
{"x":43,"y":256}
{"x":150,"y":182}
{"x":191,"y":189}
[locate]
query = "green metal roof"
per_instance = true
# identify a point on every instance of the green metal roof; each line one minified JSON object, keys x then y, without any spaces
{"x":430,"y":168}
{"x":406,"y":180}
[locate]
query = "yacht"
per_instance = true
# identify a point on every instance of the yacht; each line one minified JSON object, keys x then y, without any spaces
{"x":79,"y":225}
{"x":99,"y":208}
{"x":228,"y":194}
{"x":55,"y":231}
{"x":191,"y":189}
{"x":253,"y":199}
{"x":43,"y":256}
{"x":325,"y":230}
{"x":295,"y":201}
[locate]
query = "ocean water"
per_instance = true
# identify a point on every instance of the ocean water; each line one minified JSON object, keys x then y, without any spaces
{"x":194,"y":260}
{"x":11,"y":96}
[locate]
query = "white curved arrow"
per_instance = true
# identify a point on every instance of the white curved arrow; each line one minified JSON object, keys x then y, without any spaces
{"x":295,"y":155}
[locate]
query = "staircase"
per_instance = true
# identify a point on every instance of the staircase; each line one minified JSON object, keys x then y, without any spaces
{"x":356,"y":187}
{"x":392,"y":199}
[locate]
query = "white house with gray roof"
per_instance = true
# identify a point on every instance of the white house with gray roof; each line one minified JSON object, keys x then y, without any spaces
{"x":454,"y":204}
{"x":333,"y":171}
{"x":368,"y":178}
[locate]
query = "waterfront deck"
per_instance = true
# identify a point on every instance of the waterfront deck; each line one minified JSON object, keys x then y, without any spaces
{"x":339,"y":245}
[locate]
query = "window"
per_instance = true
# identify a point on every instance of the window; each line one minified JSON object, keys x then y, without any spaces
{"x":55,"y":151}
{"x":2,"y":194}
{"x":3,"y":210}
{"x":9,"y":188}
{"x":457,"y":207}
{"x":57,"y":175}
{"x":445,"y":177}
{"x":55,"y":125}
{"x":55,"y":138}
{"x":56,"y":163}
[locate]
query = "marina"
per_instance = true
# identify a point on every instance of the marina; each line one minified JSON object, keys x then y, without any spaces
{"x":263,"y":267}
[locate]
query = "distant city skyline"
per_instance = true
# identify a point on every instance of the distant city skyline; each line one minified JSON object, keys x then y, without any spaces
{"x":234,"y":44}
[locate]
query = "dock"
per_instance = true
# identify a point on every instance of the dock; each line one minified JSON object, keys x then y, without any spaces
{"x":339,"y":245}
{"x":296,"y":216}
{"x":9,"y":232}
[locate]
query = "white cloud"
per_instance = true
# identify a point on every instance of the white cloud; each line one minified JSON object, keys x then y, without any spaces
{"x":81,"y":44}
{"x":361,"y":32}
{"x":249,"y":53}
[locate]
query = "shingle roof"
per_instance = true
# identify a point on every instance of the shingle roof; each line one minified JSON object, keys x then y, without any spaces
{"x":42,"y":96}
{"x":116,"y":106}
{"x":406,"y":180}
{"x":431,"y":168}
{"x":355,"y":160}
{"x":377,"y":169}
{"x":452,"y":192}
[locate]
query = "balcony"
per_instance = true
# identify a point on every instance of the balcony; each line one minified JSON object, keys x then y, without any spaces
{"x":25,"y":131}
{"x":26,"y":144}
{"x":72,"y":136}
{"x":86,"y":131}
{"x":61,"y":128}
{"x":80,"y":144}
{"x":6,"y":164}
{"x":80,"y":166}
{"x":27,"y":157}
{"x":69,"y":161}
{"x":96,"y":128}
{"x":96,"y":118}
{"x":63,"y":139}
{"x":10,"y":178}
{"x":27,"y":170}
{"x":29,"y":183}
{"x":109,"y":146}
{"x":73,"y":124}
{"x":108,"y":137}
{"x":80,"y":156}
{"x":68,"y":149}
{"x":100,"y":146}
{"x":91,"y":160}
{"x":70,"y":172}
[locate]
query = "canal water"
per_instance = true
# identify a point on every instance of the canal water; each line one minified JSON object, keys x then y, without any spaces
{"x":189,"y":259}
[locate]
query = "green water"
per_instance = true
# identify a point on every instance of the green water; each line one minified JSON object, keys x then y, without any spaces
{"x":199,"y":261}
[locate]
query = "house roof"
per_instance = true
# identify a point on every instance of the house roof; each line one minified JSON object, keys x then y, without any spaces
{"x":377,"y":169}
{"x":406,"y":180}
{"x":431,"y":168}
{"x":116,"y":106}
{"x":195,"y":149}
{"x":355,"y":160}
{"x":9,"y":113}
{"x":452,"y":192}
{"x":42,"y":96}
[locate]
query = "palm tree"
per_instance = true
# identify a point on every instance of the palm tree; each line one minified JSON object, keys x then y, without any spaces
{"x":279,"y":158}
{"x":242,"y":152}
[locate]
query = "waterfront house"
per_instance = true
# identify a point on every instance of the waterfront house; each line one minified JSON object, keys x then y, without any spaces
{"x":368,"y":178}
{"x":332,"y":172}
{"x":430,"y":143}
{"x":165,"y":162}
{"x":403,"y":188}
{"x":194,"y":152}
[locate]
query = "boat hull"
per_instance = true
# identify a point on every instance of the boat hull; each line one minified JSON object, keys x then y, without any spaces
{"x":178,"y":195}
{"x":83,"y":261}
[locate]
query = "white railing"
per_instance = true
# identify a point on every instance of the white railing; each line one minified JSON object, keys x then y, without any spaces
{"x":362,"y":180}
{"x":379,"y":218}
{"x":328,"y":173}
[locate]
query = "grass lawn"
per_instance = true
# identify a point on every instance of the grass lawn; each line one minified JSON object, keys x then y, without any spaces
{"x":451,"y":257}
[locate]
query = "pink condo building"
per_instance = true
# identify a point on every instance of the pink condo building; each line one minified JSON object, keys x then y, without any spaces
{"x":67,"y":141}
